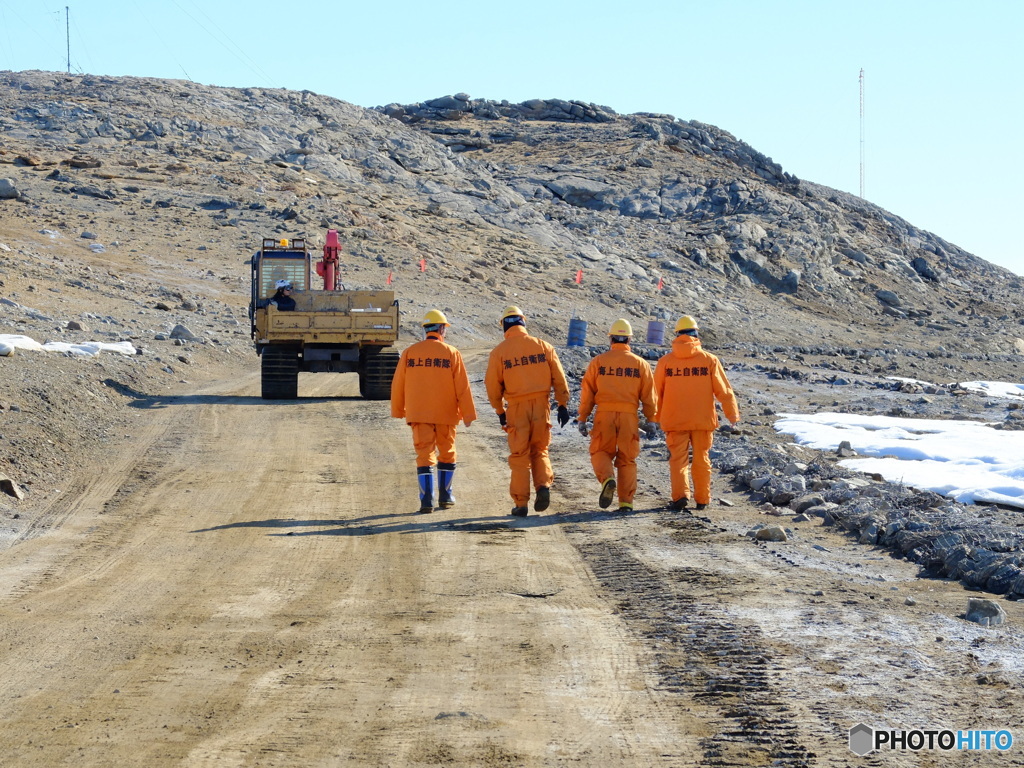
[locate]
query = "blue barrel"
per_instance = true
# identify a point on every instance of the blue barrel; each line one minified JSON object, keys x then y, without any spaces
{"x":577,"y":333}
{"x":656,"y":332}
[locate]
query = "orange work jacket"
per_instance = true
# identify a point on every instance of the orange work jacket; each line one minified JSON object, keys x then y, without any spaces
{"x":521,"y":367}
{"x":687,"y":381}
{"x":431,"y":385}
{"x":618,"y":380}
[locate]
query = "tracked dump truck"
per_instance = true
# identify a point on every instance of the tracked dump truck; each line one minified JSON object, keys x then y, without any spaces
{"x":330,"y":330}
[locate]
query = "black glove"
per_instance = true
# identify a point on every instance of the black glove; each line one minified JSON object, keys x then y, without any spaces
{"x":501,"y":419}
{"x":563,"y":415}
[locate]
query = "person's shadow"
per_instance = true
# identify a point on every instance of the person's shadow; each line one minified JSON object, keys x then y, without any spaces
{"x":414,"y":522}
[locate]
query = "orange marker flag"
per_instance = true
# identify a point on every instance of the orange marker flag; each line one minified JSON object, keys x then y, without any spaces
{"x":661,"y":283}
{"x":390,"y":276}
{"x":579,"y":277}
{"x":423,"y":265}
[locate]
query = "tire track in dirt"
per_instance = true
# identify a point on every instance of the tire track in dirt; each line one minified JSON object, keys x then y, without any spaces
{"x":700,"y":653}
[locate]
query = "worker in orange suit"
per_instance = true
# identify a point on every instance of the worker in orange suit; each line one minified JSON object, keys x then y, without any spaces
{"x":687,"y":381}
{"x":521,"y":373}
{"x":431,"y":392}
{"x":616,"y":382}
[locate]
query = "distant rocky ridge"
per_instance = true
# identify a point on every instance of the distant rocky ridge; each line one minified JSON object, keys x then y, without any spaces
{"x":530,"y":192}
{"x":698,"y":138}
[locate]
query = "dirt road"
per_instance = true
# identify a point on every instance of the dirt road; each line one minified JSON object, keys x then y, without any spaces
{"x":248,"y":585}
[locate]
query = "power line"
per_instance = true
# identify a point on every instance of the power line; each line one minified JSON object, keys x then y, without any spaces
{"x":169,"y":48}
{"x":862,"y":132}
{"x":83,"y":44}
{"x":44,"y":39}
{"x":238,"y":53}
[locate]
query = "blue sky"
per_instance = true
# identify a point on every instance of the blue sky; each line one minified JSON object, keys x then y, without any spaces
{"x":944,"y":81}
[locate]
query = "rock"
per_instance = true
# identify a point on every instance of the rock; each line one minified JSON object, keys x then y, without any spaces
{"x":749,"y":231}
{"x":821,"y":510}
{"x":924,"y":269}
{"x":869,"y":533}
{"x":845,"y":450}
{"x":74,"y":325}
{"x":805,"y":503}
{"x":795,"y":468}
{"x":889,"y":298}
{"x":181,"y":332}
{"x":782,"y":498}
{"x":8,"y":191}
{"x":91,"y":190}
{"x":771,"y":533}
{"x":84,"y":161}
{"x":791,"y":282}
{"x":988,"y":613}
{"x":10,"y":487}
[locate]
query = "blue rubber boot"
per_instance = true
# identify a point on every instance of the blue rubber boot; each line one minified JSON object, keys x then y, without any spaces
{"x":426,"y":477}
{"x":445,"y":475}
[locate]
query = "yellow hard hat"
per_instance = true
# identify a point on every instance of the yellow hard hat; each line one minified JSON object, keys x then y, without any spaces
{"x":686,"y":323}
{"x":513,"y":312}
{"x":621,"y":328}
{"x":434,"y":317}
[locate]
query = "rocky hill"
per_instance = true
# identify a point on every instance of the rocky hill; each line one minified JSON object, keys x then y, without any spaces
{"x":130,"y":206}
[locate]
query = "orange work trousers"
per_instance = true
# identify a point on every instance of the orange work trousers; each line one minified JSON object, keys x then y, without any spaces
{"x":679,"y":444}
{"x":528,"y":428}
{"x":427,"y":437}
{"x":615,"y":444}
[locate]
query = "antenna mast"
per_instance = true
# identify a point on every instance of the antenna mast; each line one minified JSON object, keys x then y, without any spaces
{"x":67,"y":32}
{"x":862,"y":131}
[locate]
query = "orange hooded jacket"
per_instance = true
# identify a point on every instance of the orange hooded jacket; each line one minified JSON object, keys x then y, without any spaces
{"x":431,"y":385}
{"x":687,"y":381}
{"x":618,"y":380}
{"x":521,"y":367}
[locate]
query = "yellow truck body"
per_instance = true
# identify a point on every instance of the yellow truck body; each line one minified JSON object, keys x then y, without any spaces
{"x":328,"y":331}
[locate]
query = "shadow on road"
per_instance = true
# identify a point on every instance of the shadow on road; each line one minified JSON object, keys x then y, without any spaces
{"x":414,"y":522}
{"x":146,"y":402}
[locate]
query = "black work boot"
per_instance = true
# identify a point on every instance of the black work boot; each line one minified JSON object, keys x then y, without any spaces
{"x":543,"y":500}
{"x":426,"y":477}
{"x":607,"y":493}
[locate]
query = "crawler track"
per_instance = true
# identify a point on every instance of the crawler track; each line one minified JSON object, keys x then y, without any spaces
{"x":701,"y":652}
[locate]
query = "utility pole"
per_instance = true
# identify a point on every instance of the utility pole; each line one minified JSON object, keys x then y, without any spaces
{"x":862,"y":131}
{"x":67,"y":32}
